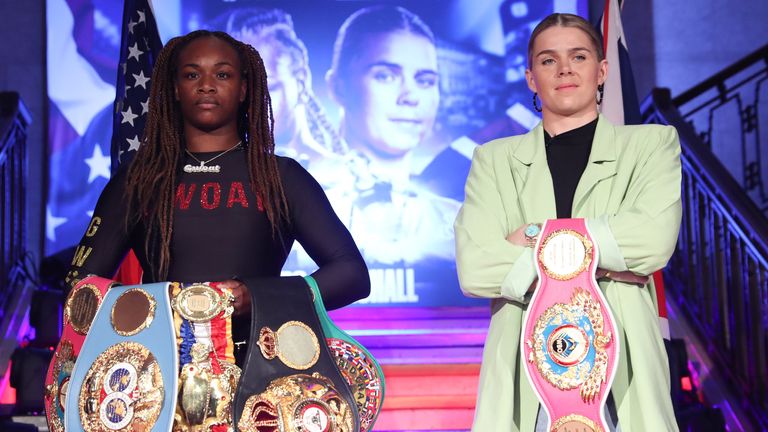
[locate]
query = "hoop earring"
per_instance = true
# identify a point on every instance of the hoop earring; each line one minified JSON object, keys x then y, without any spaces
{"x":601,"y":90}
{"x":536,"y":105}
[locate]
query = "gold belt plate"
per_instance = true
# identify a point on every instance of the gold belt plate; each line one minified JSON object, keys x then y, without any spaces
{"x":294,"y":343}
{"x":200,"y":303}
{"x":298,"y":403}
{"x":81,"y":306}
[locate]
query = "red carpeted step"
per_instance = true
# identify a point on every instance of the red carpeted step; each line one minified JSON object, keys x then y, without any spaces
{"x":431,"y":361}
{"x":425,"y":420}
{"x":429,"y":397}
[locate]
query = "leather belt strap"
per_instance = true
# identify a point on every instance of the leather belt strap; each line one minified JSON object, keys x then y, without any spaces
{"x":358,"y":367}
{"x":79,"y":311}
{"x":290,"y":381}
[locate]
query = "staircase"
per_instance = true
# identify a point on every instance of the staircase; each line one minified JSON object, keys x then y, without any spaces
{"x":718,"y":276}
{"x":429,"y":397}
{"x":431,"y":361}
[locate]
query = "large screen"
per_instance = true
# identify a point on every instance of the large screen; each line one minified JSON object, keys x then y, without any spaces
{"x":383,"y":102}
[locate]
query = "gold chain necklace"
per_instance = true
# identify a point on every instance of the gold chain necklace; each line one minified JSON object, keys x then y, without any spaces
{"x":203,"y":168}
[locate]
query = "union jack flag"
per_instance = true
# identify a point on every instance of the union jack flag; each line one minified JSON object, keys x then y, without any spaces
{"x":621,"y":106}
{"x":620,"y":103}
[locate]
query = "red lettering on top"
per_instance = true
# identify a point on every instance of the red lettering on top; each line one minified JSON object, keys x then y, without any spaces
{"x":183,"y":198}
{"x":204,"y":201}
{"x":237,"y":195}
{"x":210,"y":196}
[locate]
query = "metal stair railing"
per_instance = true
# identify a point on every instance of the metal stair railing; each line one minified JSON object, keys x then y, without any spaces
{"x":14,"y":121}
{"x":728,"y":110}
{"x":719,"y":273}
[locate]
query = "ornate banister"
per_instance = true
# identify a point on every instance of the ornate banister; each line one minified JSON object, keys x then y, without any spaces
{"x":728,"y":111}
{"x":14,"y":121}
{"x":719,"y":273}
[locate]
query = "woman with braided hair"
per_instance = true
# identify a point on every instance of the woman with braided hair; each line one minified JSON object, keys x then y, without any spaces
{"x":302,"y":129}
{"x":206,"y":198}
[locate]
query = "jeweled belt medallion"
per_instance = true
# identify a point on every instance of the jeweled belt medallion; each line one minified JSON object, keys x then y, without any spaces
{"x":569,"y":346}
{"x":297,"y":403}
{"x":132,"y":312}
{"x":123,"y":387}
{"x":81,"y":307}
{"x":361,"y":374}
{"x":564,"y":254}
{"x":56,"y":391}
{"x":206,"y":390}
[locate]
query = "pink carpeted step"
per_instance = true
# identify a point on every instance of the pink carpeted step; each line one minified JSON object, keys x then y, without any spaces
{"x":403,"y":335}
{"x":431,"y":361}
{"x":455,"y":419}
{"x":429,"y":397}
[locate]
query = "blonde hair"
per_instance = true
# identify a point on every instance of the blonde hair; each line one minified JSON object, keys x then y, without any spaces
{"x":567,"y":20}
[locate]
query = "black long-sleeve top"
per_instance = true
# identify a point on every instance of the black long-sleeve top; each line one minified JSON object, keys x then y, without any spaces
{"x":567,"y":157}
{"x":220,"y":231}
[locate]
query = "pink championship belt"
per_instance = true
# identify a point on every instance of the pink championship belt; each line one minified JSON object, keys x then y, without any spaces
{"x":570,"y":350}
{"x":79,"y":310}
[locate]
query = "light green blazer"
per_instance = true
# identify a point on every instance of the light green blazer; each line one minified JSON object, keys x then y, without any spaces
{"x":630,"y":195}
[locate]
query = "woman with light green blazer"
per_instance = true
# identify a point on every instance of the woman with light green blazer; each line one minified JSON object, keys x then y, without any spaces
{"x":626,"y":184}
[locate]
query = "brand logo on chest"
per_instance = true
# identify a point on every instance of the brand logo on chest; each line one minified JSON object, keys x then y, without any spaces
{"x":213,"y":195}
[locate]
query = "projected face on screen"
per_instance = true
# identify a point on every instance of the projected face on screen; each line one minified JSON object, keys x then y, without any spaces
{"x":384,"y":76}
{"x":285,"y":83}
{"x":390,"y":95}
{"x":301,"y":128}
{"x":382,"y":102}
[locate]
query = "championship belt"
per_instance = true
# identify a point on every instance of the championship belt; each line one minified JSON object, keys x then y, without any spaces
{"x":359,"y":368}
{"x":208,"y":375}
{"x":79,"y":310}
{"x":570,"y":350}
{"x":125,"y":378}
{"x":290,"y":382}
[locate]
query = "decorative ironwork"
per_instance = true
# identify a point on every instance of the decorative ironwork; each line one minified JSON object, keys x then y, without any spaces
{"x":719,"y":272}
{"x":14,"y":121}
{"x":726,"y":110}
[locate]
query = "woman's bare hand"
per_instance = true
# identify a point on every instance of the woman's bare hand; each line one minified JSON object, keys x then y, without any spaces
{"x":625,"y":276}
{"x":242,"y":301}
{"x":517,"y":237}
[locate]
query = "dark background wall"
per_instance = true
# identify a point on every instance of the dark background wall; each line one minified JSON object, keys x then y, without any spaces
{"x":679,"y":43}
{"x":22,"y":69}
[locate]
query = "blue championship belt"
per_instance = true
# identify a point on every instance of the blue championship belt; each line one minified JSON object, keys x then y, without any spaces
{"x":125,"y":377}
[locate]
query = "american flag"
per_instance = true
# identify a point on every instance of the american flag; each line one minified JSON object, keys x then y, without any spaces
{"x":85,"y":42}
{"x":140,"y":45}
{"x":81,"y":60}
